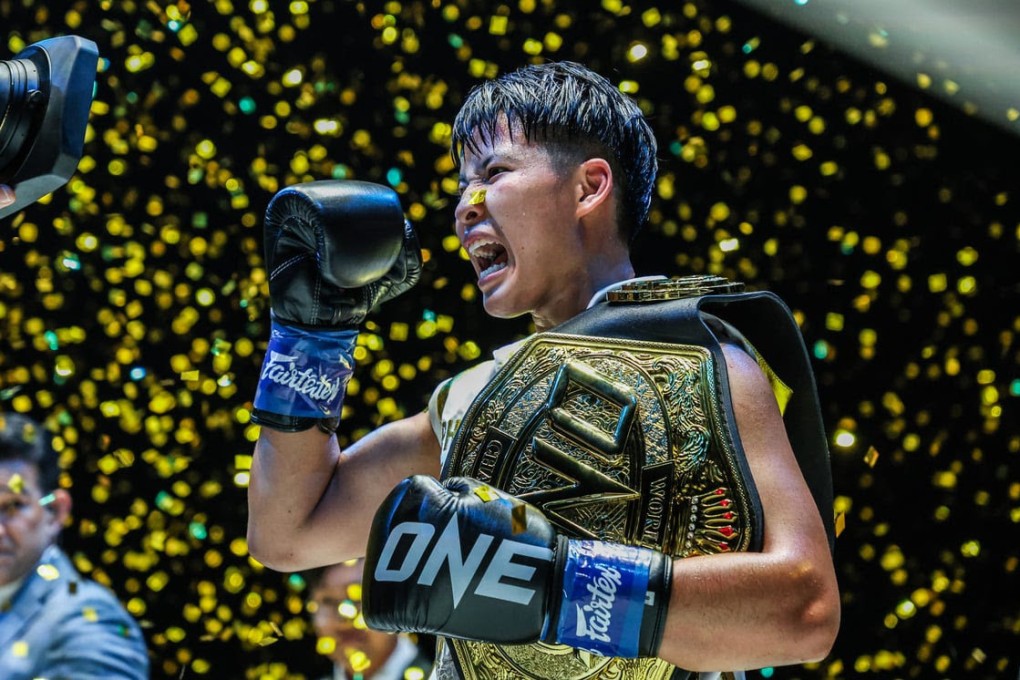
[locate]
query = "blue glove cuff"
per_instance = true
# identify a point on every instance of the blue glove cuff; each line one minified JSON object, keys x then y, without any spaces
{"x":305,"y":372}
{"x":604,"y":590}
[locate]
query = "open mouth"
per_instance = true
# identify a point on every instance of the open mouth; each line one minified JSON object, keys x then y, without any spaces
{"x":489,"y":257}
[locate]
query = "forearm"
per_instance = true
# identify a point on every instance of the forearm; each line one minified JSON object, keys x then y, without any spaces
{"x":290,"y":475}
{"x":750,"y":610}
{"x":776,"y":607}
{"x":310,"y":504}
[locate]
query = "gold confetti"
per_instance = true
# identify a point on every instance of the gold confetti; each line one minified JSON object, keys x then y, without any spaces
{"x":358,"y":659}
{"x":16,"y":483}
{"x":347,"y":609}
{"x":135,"y":300}
{"x":519,"y":517}
{"x":485,"y":493}
{"x":29,"y":433}
{"x":325,"y":645}
{"x":48,"y":572}
{"x":871,"y":457}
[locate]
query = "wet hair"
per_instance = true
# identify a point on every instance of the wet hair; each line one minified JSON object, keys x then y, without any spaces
{"x":578,"y":114}
{"x":23,"y":439}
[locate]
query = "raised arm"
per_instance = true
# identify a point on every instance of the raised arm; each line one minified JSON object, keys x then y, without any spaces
{"x":309,"y":504}
{"x":334,"y":251}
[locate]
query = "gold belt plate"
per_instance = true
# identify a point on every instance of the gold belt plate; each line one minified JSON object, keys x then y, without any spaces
{"x":617,"y":440}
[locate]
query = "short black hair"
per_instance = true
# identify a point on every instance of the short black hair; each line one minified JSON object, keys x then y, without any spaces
{"x":23,"y":439}
{"x":574,"y":110}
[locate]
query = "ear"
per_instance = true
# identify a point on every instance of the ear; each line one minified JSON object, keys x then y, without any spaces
{"x":595,"y":186}
{"x":59,"y":510}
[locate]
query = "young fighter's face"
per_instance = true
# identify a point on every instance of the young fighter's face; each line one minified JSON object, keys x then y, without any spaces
{"x":517,"y":220}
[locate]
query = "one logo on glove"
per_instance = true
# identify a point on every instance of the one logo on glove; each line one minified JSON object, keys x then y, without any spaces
{"x":448,"y":549}
{"x":282,"y":369}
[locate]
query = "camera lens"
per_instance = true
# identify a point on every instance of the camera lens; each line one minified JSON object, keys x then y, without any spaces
{"x":45,"y":95}
{"x":19,"y":95}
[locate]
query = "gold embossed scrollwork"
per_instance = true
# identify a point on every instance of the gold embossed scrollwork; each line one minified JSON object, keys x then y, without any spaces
{"x":615,"y":440}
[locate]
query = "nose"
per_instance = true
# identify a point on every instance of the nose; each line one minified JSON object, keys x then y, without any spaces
{"x":470,"y":211}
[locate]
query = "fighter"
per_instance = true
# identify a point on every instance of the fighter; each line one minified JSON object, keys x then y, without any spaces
{"x":640,"y":487}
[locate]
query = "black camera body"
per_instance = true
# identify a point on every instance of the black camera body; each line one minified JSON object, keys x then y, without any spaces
{"x":45,"y":97}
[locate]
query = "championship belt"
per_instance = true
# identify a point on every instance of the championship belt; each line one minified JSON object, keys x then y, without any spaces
{"x":618,"y":432}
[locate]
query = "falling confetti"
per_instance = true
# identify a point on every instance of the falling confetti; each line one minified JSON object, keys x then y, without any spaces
{"x":134,"y":300}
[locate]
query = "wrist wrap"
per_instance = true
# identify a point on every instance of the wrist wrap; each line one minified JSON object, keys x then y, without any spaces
{"x":304,"y":374}
{"x":613,"y":599}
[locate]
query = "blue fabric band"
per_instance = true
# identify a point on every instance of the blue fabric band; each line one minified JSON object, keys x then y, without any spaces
{"x":305,"y":372}
{"x":604,"y":589}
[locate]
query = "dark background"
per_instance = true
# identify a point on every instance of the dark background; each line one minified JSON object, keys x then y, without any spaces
{"x":133,"y":305}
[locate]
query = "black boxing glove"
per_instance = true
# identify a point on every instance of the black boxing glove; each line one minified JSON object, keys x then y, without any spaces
{"x":335,"y":250}
{"x":465,"y":560}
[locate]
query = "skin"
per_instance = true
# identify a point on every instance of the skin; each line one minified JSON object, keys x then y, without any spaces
{"x":27,"y":528}
{"x":6,"y":195}
{"x":310,"y":504}
{"x":329,"y":592}
{"x":534,"y":213}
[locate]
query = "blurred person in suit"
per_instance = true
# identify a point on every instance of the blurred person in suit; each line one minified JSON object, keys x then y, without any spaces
{"x":53,"y":622}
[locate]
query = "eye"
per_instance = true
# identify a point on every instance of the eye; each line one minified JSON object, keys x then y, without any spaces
{"x":12,"y":508}
{"x":494,"y":170}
